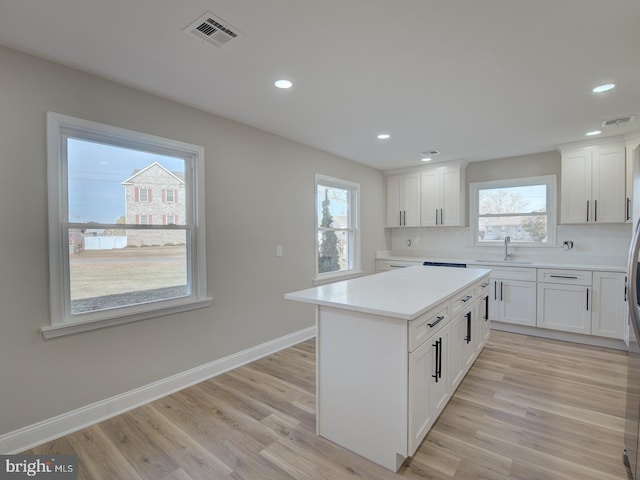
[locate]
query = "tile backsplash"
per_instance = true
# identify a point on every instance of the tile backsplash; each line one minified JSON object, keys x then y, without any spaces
{"x":592,"y":245}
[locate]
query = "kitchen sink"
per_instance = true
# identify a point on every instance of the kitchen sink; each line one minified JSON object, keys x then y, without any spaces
{"x":505,"y":262}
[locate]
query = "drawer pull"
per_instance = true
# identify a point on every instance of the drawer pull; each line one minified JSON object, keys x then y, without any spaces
{"x":438,"y":320}
{"x":564,"y":276}
{"x":467,"y":298}
{"x":398,"y":266}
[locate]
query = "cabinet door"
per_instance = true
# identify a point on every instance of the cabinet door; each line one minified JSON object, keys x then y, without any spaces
{"x":450,"y":197}
{"x":428,"y":389}
{"x":469,"y":343}
{"x":394,"y":201}
{"x":494,"y":300}
{"x":576,"y":186}
{"x":411,"y":200}
{"x":430,"y":204}
{"x":609,"y":305}
{"x":608,"y":185}
{"x":456,"y":342}
{"x":482,"y":322}
{"x":439,"y":391}
{"x":517,"y":302}
{"x":564,"y":307}
{"x":629,"y":184}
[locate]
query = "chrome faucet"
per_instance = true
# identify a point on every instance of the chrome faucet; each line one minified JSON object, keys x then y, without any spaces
{"x":507,"y":241}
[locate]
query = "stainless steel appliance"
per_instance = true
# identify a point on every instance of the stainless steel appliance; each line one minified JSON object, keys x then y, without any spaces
{"x":632,"y":423}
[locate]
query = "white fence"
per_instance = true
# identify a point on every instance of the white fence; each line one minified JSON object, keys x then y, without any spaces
{"x":104,"y":243}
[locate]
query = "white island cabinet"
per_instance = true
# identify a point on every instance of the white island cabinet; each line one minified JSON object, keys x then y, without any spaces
{"x":382,"y":355}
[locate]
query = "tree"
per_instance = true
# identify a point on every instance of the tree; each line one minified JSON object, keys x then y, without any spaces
{"x":328,"y":255}
{"x":536,"y":227}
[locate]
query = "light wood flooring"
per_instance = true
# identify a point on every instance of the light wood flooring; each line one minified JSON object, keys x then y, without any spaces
{"x":529,"y":409}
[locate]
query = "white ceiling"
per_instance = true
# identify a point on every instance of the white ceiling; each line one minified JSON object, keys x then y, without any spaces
{"x":475,"y":79}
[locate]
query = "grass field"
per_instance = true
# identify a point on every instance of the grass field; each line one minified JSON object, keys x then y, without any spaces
{"x":99,"y":273}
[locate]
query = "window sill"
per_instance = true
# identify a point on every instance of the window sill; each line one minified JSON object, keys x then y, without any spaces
{"x":62,"y":329}
{"x":330,"y":278}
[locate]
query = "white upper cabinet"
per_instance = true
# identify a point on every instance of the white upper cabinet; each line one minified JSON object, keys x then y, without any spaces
{"x":593,"y":185}
{"x":441,"y":197}
{"x":403,"y":200}
{"x":633,"y":158}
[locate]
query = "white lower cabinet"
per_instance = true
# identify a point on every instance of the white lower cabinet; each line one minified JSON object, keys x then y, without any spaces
{"x":456,"y":350}
{"x":428,"y":385}
{"x":608,"y":312}
{"x":441,"y":351}
{"x":564,"y":300}
{"x":513,"y":301}
{"x":483,"y":327}
{"x":564,"y":307}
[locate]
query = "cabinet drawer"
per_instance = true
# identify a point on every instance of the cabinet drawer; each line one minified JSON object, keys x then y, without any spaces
{"x":527,"y":274}
{"x":427,"y":324}
{"x":565,"y":277}
{"x":386,"y":265}
{"x":462,"y":300}
{"x":481,"y":287}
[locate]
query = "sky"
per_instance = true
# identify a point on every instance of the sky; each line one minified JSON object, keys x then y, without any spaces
{"x":95,"y":175}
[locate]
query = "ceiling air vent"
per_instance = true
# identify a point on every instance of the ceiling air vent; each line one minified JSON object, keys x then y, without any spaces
{"x":430,"y":153}
{"x":618,"y":122}
{"x":212,"y":29}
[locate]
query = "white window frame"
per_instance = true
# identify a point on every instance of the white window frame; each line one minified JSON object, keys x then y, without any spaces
{"x":59,"y":128}
{"x":166,"y":195}
{"x":353,"y":230}
{"x":549,"y":180}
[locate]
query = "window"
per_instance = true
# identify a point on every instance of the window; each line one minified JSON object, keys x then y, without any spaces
{"x":144,"y":195}
{"x":111,"y":261}
{"x":337,"y":231}
{"x":169,"y":195}
{"x":523,"y":209}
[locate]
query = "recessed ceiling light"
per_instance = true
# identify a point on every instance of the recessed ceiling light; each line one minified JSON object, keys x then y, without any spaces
{"x":595,"y":132}
{"x":605,"y":87}
{"x":284,"y":84}
{"x":384,"y":136}
{"x":426,"y":159}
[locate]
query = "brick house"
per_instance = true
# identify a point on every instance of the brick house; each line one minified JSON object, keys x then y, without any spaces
{"x":155,"y":196}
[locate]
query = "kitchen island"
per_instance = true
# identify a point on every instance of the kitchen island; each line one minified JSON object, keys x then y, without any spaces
{"x":390,"y":350}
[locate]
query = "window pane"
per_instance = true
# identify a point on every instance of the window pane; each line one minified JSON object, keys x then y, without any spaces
{"x":107,"y":271}
{"x":109,"y":184}
{"x":334,"y":251}
{"x":333,"y":207}
{"x":525,"y":199}
{"x":530,"y":228}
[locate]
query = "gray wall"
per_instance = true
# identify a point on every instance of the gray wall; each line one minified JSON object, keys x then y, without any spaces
{"x":259,"y":193}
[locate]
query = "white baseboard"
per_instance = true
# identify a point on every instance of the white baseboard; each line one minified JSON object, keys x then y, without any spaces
{"x":558,"y":335}
{"x":66,"y":423}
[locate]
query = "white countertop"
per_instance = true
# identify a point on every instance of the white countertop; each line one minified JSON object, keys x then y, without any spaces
{"x":404,"y":293}
{"x":511,"y":263}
